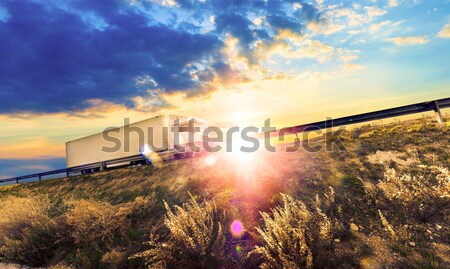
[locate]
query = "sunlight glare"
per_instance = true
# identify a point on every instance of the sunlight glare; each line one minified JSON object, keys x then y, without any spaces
{"x":210,"y":160}
{"x":236,"y":149}
{"x":152,"y":156}
{"x":146,"y":150}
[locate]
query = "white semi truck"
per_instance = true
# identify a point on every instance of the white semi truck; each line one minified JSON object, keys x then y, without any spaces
{"x":127,"y":144}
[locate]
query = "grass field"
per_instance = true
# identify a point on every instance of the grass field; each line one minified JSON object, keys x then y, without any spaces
{"x":383,"y":203}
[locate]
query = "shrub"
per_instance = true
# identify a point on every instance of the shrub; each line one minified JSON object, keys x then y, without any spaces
{"x":195,"y":238}
{"x":91,"y":221}
{"x":96,"y":229}
{"x":139,"y":209}
{"x":352,"y":183}
{"x":292,"y":235}
{"x":113,"y":259}
{"x":421,"y":195}
{"x":27,"y":233}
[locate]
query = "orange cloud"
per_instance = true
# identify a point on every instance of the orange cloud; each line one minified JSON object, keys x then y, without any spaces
{"x":408,"y":40}
{"x":353,"y":67}
{"x":31,"y":148}
{"x":445,"y":32}
{"x":326,"y":28}
{"x":393,"y":3}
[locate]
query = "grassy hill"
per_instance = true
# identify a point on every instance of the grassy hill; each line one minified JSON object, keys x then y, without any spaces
{"x":382,"y":203}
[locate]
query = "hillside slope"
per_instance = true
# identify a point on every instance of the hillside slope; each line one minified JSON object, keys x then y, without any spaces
{"x":383,"y":203}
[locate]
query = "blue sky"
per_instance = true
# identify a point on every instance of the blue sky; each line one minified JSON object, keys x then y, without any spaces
{"x":65,"y":63}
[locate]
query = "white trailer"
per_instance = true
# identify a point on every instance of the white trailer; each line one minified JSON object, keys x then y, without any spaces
{"x":118,"y":146}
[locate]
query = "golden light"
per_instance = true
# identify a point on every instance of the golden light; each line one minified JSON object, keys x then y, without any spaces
{"x":210,"y":160}
{"x":243,"y":118}
{"x":237,"y":153}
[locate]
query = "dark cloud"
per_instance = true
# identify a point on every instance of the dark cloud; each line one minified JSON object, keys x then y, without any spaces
{"x":284,"y":22}
{"x":236,"y":25}
{"x":57,"y":57}
{"x":310,"y":13}
{"x":53,"y":61}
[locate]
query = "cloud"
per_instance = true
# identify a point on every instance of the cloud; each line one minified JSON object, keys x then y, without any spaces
{"x":408,"y":40}
{"x":352,"y":67}
{"x":97,"y":108}
{"x":53,"y":62}
{"x":64,"y":55}
{"x":355,"y":16}
{"x":4,"y":14}
{"x":153,"y":101}
{"x":305,"y":49}
{"x":445,"y":32}
{"x":238,"y":26}
{"x":326,"y":28}
{"x":314,"y":49}
{"x":377,"y":26}
{"x":288,"y":35}
{"x":393,"y":3}
{"x":258,"y":21}
{"x":373,"y":11}
{"x":165,"y":3}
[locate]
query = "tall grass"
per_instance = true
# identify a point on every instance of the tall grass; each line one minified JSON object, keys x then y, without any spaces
{"x":195,"y":238}
{"x":27,"y":232}
{"x":373,"y":212}
{"x":292,"y":234}
{"x":85,"y":233}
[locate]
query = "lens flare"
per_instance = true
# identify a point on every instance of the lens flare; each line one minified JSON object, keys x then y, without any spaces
{"x":237,"y":229}
{"x":152,"y":156}
{"x":237,"y":153}
{"x":210,"y":160}
{"x":146,"y":150}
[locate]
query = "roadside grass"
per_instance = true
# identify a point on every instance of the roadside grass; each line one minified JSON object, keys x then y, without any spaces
{"x":383,"y":203}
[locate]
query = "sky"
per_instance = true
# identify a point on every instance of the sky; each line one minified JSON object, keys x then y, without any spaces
{"x":71,"y":68}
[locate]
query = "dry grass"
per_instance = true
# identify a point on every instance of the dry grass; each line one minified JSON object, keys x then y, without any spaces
{"x":292,"y":234}
{"x":429,"y":187}
{"x":26,"y":229}
{"x":91,"y":221}
{"x":392,"y":215}
{"x":36,"y":231}
{"x":195,"y":239}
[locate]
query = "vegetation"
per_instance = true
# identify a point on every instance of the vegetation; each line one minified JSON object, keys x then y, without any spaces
{"x":383,"y":203}
{"x":195,"y":238}
{"x":27,"y":230}
{"x":292,"y":235}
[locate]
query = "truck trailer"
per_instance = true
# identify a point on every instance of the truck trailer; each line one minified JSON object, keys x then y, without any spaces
{"x":165,"y":136}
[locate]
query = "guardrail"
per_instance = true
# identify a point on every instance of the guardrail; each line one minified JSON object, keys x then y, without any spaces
{"x":37,"y":175}
{"x":435,"y":106}
{"x":94,"y":167}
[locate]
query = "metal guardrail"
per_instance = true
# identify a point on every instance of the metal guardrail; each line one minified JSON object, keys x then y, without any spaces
{"x":37,"y":175}
{"x":435,"y":106}
{"x":75,"y":170}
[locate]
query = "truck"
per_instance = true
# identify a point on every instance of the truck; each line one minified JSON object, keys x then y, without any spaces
{"x":164,"y":137}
